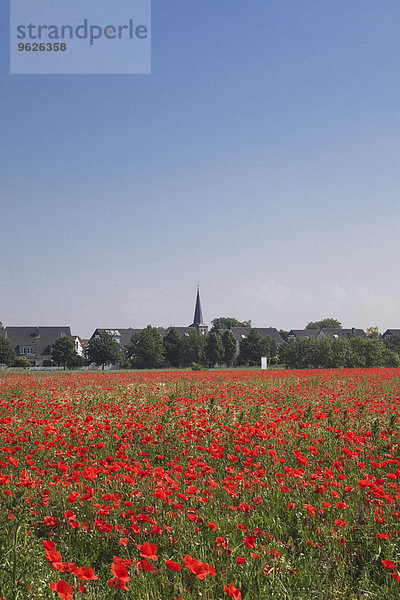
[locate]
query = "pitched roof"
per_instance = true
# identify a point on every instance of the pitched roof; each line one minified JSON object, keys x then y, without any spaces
{"x":124,"y":335}
{"x":183,"y":330}
{"x":303,"y":333}
{"x":241,"y":333}
{"x":40,"y":338}
{"x":343,"y":333}
{"x":389,"y":332}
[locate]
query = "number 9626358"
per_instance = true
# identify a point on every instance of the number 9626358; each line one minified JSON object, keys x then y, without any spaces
{"x":42,"y":47}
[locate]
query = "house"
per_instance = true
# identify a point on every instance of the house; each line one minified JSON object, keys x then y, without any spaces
{"x":34,"y":343}
{"x":340,"y":334}
{"x":119,"y":334}
{"x":241,"y":333}
{"x":319,"y":334}
{"x":295,"y":334}
{"x":78,"y":345}
{"x":390,"y":333}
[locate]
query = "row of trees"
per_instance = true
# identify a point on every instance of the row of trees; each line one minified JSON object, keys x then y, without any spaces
{"x":148,"y":350}
{"x":331,"y":353}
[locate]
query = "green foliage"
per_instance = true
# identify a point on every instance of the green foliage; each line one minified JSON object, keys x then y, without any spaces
{"x":22,"y":362}
{"x":393,"y":343}
{"x":103,"y":350}
{"x":228,"y":323}
{"x":328,"y":323}
{"x":214,"y":349}
{"x":229,"y":343}
{"x":197,"y":367}
{"x":330,"y":353}
{"x":373,"y":332}
{"x":253,"y":347}
{"x":63,"y":351}
{"x":7,"y":352}
{"x":146,"y":350}
{"x":299,"y":354}
{"x":173,"y":347}
{"x":193,"y":349}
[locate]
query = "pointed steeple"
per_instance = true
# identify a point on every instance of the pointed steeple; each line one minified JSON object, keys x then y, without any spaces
{"x":198,"y":315}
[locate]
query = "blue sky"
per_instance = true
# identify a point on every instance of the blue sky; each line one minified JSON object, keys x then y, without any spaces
{"x":260,"y":159}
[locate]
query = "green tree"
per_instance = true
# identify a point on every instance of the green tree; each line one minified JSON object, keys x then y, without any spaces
{"x":214,"y":349}
{"x":390,"y":358}
{"x":355,"y":356}
{"x":7,"y":352}
{"x":253,"y":347}
{"x":193,"y":349}
{"x":328,"y":323}
{"x":63,"y":351}
{"x":393,"y":343}
{"x":373,"y":332}
{"x":103,"y":350}
{"x":1,"y":325}
{"x":301,"y":353}
{"x":329,"y":353}
{"x":229,"y":343}
{"x":173,"y":347}
{"x":146,"y":350}
{"x":228,"y":323}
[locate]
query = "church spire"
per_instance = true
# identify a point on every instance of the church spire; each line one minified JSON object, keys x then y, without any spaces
{"x":198,"y":315}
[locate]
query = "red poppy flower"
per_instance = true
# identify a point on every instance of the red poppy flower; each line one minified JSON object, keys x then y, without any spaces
{"x":233,"y":592}
{"x":49,"y":545}
{"x":120,"y":571}
{"x":62,"y":588}
{"x":388,"y":564}
{"x":148,"y":551}
{"x":340,"y":522}
{"x":85,"y":574}
{"x":144,"y":565}
{"x":117,"y":584}
{"x":124,"y":541}
{"x":311,"y":509}
{"x":67,"y":567}
{"x":249,"y":541}
{"x":200,"y":569}
{"x":173,"y":565}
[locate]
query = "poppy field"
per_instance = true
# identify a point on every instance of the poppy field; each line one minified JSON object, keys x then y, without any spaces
{"x":180,"y":485}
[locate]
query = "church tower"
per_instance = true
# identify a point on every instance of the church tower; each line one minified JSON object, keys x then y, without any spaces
{"x":198,"y":316}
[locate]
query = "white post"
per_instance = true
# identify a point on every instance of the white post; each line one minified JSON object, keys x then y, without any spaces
{"x":263,"y":363}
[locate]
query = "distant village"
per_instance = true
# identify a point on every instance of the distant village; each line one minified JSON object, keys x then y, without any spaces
{"x":35,"y":343}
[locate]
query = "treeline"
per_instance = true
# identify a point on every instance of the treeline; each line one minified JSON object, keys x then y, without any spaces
{"x":148,"y":350}
{"x":330,"y":353}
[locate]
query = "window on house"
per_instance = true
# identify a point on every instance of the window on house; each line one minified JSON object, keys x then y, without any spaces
{"x":26,"y":350}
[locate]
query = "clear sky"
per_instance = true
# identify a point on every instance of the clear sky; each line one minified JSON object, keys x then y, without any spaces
{"x":260,"y":159}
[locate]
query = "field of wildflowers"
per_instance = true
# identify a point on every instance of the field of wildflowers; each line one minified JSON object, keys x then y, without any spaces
{"x":213,"y":485}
